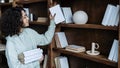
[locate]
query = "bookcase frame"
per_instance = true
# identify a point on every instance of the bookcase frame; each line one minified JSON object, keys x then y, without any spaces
{"x":85,"y":34}
{"x":78,"y":34}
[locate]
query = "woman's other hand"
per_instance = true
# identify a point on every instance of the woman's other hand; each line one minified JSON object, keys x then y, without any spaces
{"x":52,"y":17}
{"x":41,"y":59}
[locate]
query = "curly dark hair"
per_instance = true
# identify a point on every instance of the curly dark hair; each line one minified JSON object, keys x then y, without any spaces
{"x":10,"y":22}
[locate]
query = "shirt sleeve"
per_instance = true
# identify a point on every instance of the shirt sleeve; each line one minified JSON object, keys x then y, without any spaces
{"x":12,"y":57}
{"x":44,"y":39}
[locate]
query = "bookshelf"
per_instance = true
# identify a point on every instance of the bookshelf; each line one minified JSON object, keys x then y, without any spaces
{"x":85,"y":34}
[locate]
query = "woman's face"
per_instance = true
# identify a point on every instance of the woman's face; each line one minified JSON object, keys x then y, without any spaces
{"x":25,"y":19}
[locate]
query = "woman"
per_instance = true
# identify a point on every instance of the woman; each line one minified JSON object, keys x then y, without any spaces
{"x":20,"y":38}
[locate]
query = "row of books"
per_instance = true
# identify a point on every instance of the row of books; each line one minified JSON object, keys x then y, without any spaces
{"x":62,"y":14}
{"x":30,"y":15}
{"x":113,"y":55}
{"x":6,"y":1}
{"x":33,"y":17}
{"x":111,"y":16}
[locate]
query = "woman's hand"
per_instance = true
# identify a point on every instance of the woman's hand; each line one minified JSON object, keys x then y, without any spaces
{"x":52,"y":17}
{"x":41,"y":59}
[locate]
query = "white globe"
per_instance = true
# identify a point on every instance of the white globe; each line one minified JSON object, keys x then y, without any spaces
{"x":80,"y":17}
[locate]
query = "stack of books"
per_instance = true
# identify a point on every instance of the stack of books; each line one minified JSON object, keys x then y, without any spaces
{"x":75,"y":48}
{"x":30,"y":56}
{"x":111,"y":16}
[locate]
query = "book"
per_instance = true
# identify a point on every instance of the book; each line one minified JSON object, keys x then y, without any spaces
{"x":32,"y":52}
{"x":67,"y":14}
{"x":57,"y":62}
{"x":117,"y":15}
{"x":61,"y":40}
{"x":111,"y":16}
{"x":42,"y":19}
{"x":57,"y":11}
{"x":114,"y":16}
{"x":61,"y":62}
{"x":45,"y":61}
{"x":10,"y":1}
{"x":75,"y":48}
{"x":115,"y":56}
{"x":111,"y":21}
{"x":107,"y":14}
{"x":30,"y":56}
{"x":2,"y":47}
{"x":113,"y":49}
{"x":27,"y":12}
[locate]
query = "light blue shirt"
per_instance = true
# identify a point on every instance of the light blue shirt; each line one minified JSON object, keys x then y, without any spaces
{"x":26,"y":40}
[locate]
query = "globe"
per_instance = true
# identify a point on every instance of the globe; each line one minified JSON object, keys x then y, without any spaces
{"x":80,"y":17}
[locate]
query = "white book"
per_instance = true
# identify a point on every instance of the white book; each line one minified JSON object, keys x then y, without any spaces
{"x":112,"y":51}
{"x":117,"y":20}
{"x":114,"y":15}
{"x":111,"y":21}
{"x":117,"y":17}
{"x":32,"y":56}
{"x":2,"y":47}
{"x":36,"y":58}
{"x":107,"y":14}
{"x":67,"y":14}
{"x":57,"y":62}
{"x":27,"y":12}
{"x":115,"y":57}
{"x":45,"y":61}
{"x":59,"y":15}
{"x":31,"y":17}
{"x":32,"y":52}
{"x":63,"y":62}
{"x":61,"y":40}
{"x":10,"y":1}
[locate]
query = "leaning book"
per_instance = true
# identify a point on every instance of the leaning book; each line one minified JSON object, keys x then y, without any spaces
{"x":61,"y":40}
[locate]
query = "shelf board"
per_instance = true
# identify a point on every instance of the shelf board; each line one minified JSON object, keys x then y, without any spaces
{"x":29,"y":1}
{"x":38,"y":23}
{"x":5,"y":4}
{"x":91,"y":26}
{"x":100,"y":59}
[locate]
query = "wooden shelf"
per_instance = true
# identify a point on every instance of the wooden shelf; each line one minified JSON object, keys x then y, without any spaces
{"x":100,"y":59}
{"x":5,"y":4}
{"x":30,"y":1}
{"x":38,"y":23}
{"x":90,"y":26}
